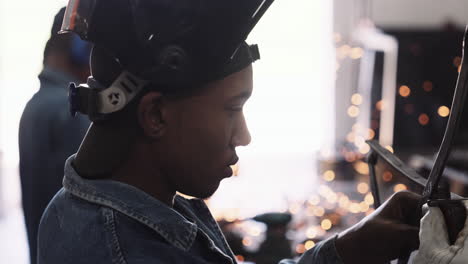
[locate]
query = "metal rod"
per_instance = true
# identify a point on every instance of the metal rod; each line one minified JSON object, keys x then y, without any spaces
{"x":459,"y":98}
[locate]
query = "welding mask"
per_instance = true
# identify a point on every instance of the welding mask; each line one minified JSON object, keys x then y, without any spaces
{"x":172,"y":44}
{"x":167,"y":41}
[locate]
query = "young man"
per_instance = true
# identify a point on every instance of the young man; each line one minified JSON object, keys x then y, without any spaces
{"x":48,"y":135}
{"x":170,"y":79}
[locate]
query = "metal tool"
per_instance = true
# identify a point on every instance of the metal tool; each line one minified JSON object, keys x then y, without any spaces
{"x":434,"y":193}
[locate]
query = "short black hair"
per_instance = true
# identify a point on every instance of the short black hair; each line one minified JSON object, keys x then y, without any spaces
{"x":58,"y":43}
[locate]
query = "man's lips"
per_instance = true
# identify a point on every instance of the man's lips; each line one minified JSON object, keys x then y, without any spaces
{"x":233,"y":161}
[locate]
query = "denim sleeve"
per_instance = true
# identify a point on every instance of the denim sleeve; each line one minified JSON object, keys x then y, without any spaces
{"x":323,"y":253}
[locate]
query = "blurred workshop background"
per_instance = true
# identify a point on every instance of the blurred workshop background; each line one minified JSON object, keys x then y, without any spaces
{"x":333,"y":74}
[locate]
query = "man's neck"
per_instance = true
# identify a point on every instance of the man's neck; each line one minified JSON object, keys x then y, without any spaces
{"x":145,"y":175}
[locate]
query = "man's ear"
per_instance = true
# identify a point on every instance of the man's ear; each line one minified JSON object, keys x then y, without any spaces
{"x":151,"y":115}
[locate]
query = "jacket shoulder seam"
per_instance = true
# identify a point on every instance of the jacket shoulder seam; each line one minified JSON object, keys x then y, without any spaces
{"x":116,"y":250}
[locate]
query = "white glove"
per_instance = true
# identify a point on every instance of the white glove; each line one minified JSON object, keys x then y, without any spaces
{"x":434,"y":243}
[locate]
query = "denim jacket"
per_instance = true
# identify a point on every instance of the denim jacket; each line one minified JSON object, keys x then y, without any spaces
{"x":105,"y":221}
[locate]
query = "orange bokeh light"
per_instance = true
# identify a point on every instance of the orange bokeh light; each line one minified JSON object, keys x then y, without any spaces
{"x":404,"y":91}
{"x":423,"y":119}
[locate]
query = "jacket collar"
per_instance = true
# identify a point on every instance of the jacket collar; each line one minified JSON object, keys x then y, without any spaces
{"x":134,"y":203}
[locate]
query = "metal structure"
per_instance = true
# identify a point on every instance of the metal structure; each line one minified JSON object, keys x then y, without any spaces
{"x":374,"y":40}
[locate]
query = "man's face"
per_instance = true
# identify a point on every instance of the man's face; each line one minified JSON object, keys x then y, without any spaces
{"x":203,"y":132}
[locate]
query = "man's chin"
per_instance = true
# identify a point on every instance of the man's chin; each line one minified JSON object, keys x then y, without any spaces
{"x":203,"y":194}
{"x":207,"y":195}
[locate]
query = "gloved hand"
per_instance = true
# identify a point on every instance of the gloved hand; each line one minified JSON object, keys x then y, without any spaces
{"x":434,"y":243}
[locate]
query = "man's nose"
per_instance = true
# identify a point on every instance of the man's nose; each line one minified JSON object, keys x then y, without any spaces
{"x":241,"y":136}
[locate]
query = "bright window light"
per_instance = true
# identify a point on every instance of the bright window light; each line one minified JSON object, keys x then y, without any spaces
{"x":289,"y":113}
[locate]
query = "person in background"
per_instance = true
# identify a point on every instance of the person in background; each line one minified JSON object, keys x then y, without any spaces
{"x":276,"y":245}
{"x":47,"y":134}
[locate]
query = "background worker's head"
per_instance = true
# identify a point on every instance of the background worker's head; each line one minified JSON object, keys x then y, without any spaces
{"x":67,"y":52}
